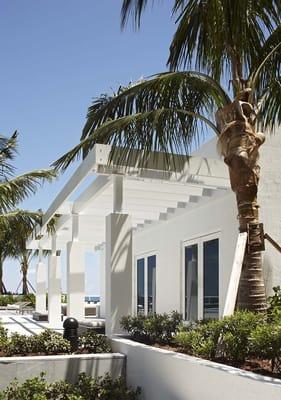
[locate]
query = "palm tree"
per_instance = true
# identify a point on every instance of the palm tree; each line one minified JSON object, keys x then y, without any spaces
{"x":15,"y":223}
{"x":16,"y":249}
{"x":216,"y":42}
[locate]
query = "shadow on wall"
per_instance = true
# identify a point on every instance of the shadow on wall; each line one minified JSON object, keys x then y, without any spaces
{"x":95,"y":367}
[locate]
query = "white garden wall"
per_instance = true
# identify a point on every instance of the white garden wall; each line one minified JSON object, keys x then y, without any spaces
{"x":60,"y":367}
{"x":165,"y":375}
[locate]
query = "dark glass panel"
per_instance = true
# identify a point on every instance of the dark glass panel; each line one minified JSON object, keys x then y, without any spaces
{"x":140,"y":286}
{"x":191,"y":282}
{"x":211,"y":279}
{"x":151,"y":284}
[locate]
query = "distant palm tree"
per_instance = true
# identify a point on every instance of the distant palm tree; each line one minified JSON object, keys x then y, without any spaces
{"x":216,"y":41}
{"x":16,"y":223}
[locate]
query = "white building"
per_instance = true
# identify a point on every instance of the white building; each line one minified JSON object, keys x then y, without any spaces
{"x":166,"y":239}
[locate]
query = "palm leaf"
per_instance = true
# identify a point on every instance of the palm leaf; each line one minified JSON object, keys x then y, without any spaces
{"x":190,"y":91}
{"x":171,"y":131}
{"x":265,"y":82}
{"x":18,"y":222}
{"x":222,"y":37}
{"x":16,"y":227}
{"x":17,"y":189}
{"x":8,"y":149}
{"x":132,"y":8}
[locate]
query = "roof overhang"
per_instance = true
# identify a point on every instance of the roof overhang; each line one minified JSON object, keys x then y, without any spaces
{"x":151,"y":191}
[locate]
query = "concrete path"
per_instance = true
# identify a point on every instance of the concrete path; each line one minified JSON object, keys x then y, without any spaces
{"x":24,"y":324}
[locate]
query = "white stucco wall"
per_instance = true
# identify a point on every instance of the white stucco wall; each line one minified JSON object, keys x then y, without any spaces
{"x":218,"y":214}
{"x":166,"y":375}
{"x":60,"y":367}
{"x":166,"y":241}
{"x":269,"y":198}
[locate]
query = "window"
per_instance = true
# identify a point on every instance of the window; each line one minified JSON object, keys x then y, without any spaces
{"x":146,"y":285}
{"x":201,"y":278}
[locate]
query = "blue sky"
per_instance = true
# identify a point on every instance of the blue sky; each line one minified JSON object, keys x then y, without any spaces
{"x":55,"y":57}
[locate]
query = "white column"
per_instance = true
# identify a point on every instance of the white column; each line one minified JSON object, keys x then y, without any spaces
{"x":54,"y":287}
{"x":102,"y":282}
{"x":117,"y":193}
{"x":118,"y":266}
{"x":40,"y":299}
{"x":75,"y":274}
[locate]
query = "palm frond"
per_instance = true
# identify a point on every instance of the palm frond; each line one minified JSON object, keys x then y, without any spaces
{"x":165,"y":130}
{"x":8,"y":150}
{"x":20,"y":220}
{"x":269,"y":110}
{"x":219,"y":34}
{"x":132,"y":8}
{"x":190,"y":91}
{"x":265,"y":82}
{"x":17,"y":189}
{"x":16,"y":227}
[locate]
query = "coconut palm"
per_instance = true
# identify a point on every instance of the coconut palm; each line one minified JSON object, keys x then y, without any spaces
{"x":15,"y":223}
{"x":19,"y":232}
{"x":219,"y":43}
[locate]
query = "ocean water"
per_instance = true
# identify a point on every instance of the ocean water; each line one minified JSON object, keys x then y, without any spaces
{"x":92,"y":299}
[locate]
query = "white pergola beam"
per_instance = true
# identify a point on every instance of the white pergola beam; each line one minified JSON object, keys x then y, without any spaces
{"x":97,"y":187}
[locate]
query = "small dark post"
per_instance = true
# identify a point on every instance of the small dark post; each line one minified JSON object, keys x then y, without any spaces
{"x":70,"y":332}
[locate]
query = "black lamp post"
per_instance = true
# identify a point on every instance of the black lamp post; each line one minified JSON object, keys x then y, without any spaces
{"x":70,"y":332}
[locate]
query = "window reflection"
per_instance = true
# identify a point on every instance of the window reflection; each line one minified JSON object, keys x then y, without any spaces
{"x":140,"y":286}
{"x":211,"y":279}
{"x":191,"y":282}
{"x":151,"y":284}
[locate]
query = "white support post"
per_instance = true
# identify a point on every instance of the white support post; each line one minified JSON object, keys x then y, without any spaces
{"x":102,"y":282}
{"x":118,"y":271}
{"x":54,"y":287}
{"x":75,"y":274}
{"x":117,"y":193}
{"x":40,"y":298}
{"x":233,"y":285}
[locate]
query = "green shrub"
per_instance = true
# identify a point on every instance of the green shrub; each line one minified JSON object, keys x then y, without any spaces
{"x":17,"y":345}
{"x":47,"y":342}
{"x":51,"y":342}
{"x":86,"y":388}
{"x":155,"y":328}
{"x":265,"y":343}
{"x":11,"y":299}
{"x":228,"y":338}
{"x":200,"y":340}
{"x":234,"y":342}
{"x":3,"y":336}
{"x":6,"y":299}
{"x":274,"y":309}
{"x":94,"y":343}
{"x":135,"y":327}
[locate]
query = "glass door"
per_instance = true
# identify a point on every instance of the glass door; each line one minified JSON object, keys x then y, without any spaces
{"x":201,"y":278}
{"x":211,"y":279}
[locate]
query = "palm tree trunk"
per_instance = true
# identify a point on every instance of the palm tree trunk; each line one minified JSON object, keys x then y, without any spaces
{"x":24,"y":269}
{"x":2,"y":286}
{"x":239,"y":144}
